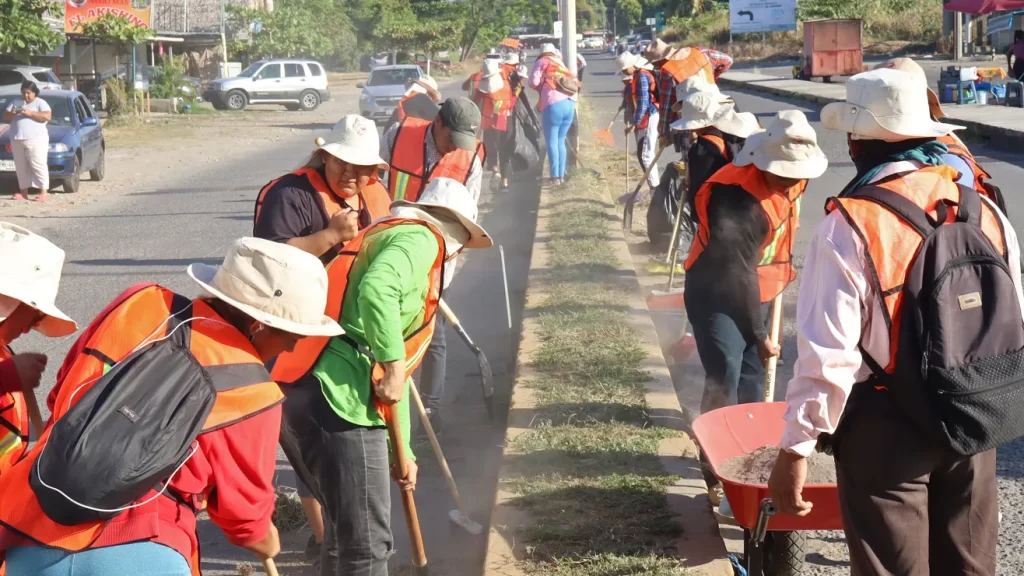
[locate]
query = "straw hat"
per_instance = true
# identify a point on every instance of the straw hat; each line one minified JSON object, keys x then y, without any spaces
{"x":702,"y":110}
{"x":449,"y":198}
{"x":491,"y":81}
{"x":31,"y":268}
{"x":691,"y":86}
{"x":657,"y":51}
{"x":275,"y":284}
{"x":908,"y":65}
{"x":354,"y":139}
{"x":788,"y":148}
{"x":885,"y":104}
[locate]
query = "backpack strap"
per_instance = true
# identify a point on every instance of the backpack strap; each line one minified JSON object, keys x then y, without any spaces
{"x":970,"y":206}
{"x":909,"y":212}
{"x":181,"y":316}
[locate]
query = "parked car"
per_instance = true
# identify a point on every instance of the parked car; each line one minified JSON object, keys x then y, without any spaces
{"x":76,"y":140}
{"x":12,"y":75}
{"x":384,"y":88}
{"x":593,"y":43}
{"x":297,"y":84}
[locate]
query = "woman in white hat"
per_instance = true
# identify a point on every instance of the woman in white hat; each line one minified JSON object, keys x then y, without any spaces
{"x":336,"y":434}
{"x":260,"y":302}
{"x":558,"y":93}
{"x":910,"y":503}
{"x":646,"y":113}
{"x":422,"y":100}
{"x":29,"y":283}
{"x":323,"y":204}
{"x":741,"y":255}
{"x":495,"y":99}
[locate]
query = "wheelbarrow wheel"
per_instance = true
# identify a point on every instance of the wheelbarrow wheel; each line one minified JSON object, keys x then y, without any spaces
{"x":784,"y":553}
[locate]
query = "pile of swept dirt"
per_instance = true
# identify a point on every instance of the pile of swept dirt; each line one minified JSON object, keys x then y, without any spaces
{"x":756,"y":467}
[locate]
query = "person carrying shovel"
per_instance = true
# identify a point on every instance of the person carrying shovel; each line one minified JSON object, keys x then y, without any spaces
{"x":740,"y":258}
{"x":645,"y":119}
{"x":347,"y":394}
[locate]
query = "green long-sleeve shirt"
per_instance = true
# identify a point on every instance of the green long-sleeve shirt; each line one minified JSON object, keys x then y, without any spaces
{"x":383,"y":304}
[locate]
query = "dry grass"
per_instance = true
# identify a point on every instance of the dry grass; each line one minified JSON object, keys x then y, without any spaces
{"x":288,"y":513}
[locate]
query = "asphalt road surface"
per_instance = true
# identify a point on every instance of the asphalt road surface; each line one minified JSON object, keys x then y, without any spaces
{"x":827,"y":554}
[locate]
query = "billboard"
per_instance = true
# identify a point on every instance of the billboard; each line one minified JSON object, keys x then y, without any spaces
{"x":761,"y":15}
{"x":139,"y":12}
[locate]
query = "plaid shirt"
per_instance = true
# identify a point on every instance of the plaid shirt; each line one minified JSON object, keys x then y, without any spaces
{"x":720,"y":62}
{"x":644,"y":106}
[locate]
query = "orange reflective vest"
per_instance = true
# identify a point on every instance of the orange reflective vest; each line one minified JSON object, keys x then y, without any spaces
{"x":718,"y":142}
{"x":374,"y":198}
{"x":291,"y":366}
{"x":409,"y":175}
{"x":652,"y":90}
{"x":495,"y":107}
{"x":244,"y":388}
{"x":775,"y":268}
{"x":958,"y":148}
{"x":696,"y":62}
{"x":14,"y":427}
{"x":891,"y":243}
{"x":474,"y":82}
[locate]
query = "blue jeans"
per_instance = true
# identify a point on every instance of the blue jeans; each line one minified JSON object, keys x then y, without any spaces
{"x":732,"y":366}
{"x":557,"y":119}
{"x":433,"y":373}
{"x":147,"y":558}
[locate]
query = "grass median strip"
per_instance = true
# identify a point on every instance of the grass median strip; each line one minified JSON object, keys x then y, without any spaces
{"x":587,"y":470}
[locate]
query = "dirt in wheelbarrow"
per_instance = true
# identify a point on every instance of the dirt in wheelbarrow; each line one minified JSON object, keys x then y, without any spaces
{"x":756,"y":467}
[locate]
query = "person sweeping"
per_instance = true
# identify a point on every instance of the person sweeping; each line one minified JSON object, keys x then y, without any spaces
{"x":384,"y":290}
{"x":646,"y":113}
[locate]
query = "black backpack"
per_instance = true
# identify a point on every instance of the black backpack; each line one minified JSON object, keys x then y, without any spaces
{"x":129,"y":433}
{"x":959,"y":369}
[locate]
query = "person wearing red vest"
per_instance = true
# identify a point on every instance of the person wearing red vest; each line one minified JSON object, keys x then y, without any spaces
{"x":323,"y":204}
{"x":384,"y":290}
{"x":30,"y":269}
{"x":260,"y":302}
{"x":910,"y":505}
{"x":741,"y":255}
{"x":495,"y":98}
{"x":674,"y":66}
{"x":421,"y":101}
{"x":646,"y":112}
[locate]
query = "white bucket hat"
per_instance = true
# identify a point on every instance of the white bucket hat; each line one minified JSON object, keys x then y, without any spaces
{"x":626,"y":60}
{"x":354,"y":139}
{"x":512,"y":58}
{"x":549,"y":48}
{"x":31,"y":268}
{"x":451,"y":198}
{"x":491,"y":79}
{"x":275,"y":284}
{"x":422,"y":85}
{"x":885,"y":104}
{"x":690,"y":86}
{"x":702,"y":110}
{"x":788,"y":148}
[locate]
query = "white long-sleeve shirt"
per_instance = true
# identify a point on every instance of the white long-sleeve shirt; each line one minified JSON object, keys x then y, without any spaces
{"x":838,"y":310}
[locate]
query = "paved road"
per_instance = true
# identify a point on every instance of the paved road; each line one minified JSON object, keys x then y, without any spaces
{"x":153,"y":234}
{"x":827,"y":554}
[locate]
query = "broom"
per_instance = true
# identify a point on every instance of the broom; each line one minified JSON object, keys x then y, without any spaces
{"x":605,"y":136}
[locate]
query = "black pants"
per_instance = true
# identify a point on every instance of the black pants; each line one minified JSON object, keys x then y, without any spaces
{"x":433,"y":369}
{"x":910,"y":506}
{"x":492,"y":144}
{"x":346,"y":468}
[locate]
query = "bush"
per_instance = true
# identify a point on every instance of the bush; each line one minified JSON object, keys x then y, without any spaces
{"x":119,"y":100}
{"x":167,"y":81}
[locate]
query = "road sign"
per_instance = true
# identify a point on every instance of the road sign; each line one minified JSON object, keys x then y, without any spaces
{"x":652,"y":21}
{"x":557,"y":29}
{"x":659,"y":19}
{"x":761,"y":15}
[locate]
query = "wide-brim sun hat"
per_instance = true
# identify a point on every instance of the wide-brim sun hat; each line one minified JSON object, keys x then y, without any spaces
{"x":452,"y":199}
{"x":354,"y":140}
{"x":657,"y":51}
{"x":491,"y":81}
{"x":788,"y":147}
{"x":908,"y":65}
{"x":702,"y":110}
{"x":626,"y":60}
{"x":549,"y":49}
{"x":690,"y":86}
{"x":885,"y":104}
{"x":32,"y":268}
{"x":273,"y":283}
{"x":512,"y":58}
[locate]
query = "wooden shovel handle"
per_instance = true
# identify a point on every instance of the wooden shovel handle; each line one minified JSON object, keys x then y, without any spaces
{"x":773,"y":362}
{"x":270,"y":567}
{"x":412,"y":520}
{"x":35,"y":418}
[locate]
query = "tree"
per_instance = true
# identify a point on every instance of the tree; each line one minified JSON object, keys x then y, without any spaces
{"x":117,"y":31}
{"x":310,"y":28}
{"x":23,"y":31}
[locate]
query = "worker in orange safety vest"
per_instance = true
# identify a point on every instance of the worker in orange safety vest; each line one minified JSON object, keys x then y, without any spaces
{"x":674,"y":67}
{"x":495,"y":98}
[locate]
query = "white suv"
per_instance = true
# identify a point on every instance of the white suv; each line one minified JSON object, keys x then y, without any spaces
{"x":12,"y":75}
{"x":298,"y":84}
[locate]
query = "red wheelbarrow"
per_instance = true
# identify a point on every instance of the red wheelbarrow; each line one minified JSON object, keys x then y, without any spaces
{"x":770,"y":540}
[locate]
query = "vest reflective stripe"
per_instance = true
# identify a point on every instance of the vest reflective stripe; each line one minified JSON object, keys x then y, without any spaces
{"x":775,"y":268}
{"x":14,"y":424}
{"x":243,"y":389}
{"x":408,"y":177}
{"x":291,"y":366}
{"x":652,"y":88}
{"x":890,"y":244}
{"x":374,"y":197}
{"x":696,"y":62}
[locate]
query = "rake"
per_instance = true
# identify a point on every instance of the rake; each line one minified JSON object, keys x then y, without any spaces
{"x":605,"y":136}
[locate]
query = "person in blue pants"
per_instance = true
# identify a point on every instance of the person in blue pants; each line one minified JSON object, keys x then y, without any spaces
{"x":558,"y":108}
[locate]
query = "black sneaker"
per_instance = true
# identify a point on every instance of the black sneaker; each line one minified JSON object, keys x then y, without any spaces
{"x":434,"y":416}
{"x":313,"y":549}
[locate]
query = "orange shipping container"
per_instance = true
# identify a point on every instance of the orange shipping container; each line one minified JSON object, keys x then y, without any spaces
{"x":832,"y":48}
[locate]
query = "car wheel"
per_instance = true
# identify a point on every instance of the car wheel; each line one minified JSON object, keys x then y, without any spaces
{"x":292,"y":107}
{"x":97,"y":173}
{"x":72,"y":182}
{"x":237,"y":100}
{"x":309,"y":100}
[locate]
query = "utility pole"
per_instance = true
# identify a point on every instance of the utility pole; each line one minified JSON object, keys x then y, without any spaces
{"x":958,"y":36}
{"x":569,"y":33}
{"x":223,"y":40}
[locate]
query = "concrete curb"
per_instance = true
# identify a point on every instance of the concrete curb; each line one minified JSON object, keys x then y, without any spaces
{"x":997,"y":136}
{"x":701,"y":545}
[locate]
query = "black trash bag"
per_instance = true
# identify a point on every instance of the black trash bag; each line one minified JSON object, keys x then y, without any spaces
{"x":661,"y":214}
{"x":522,"y":139}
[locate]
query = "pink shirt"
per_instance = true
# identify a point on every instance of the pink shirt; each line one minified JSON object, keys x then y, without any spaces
{"x":548,"y":95}
{"x":836,"y":311}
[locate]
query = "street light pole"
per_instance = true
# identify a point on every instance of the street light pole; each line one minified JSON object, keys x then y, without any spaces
{"x":569,"y":33}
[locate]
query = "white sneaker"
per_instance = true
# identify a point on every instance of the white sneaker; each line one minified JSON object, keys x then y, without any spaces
{"x":724,"y":509}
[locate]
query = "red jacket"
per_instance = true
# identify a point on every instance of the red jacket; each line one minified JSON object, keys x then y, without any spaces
{"x":9,"y":379}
